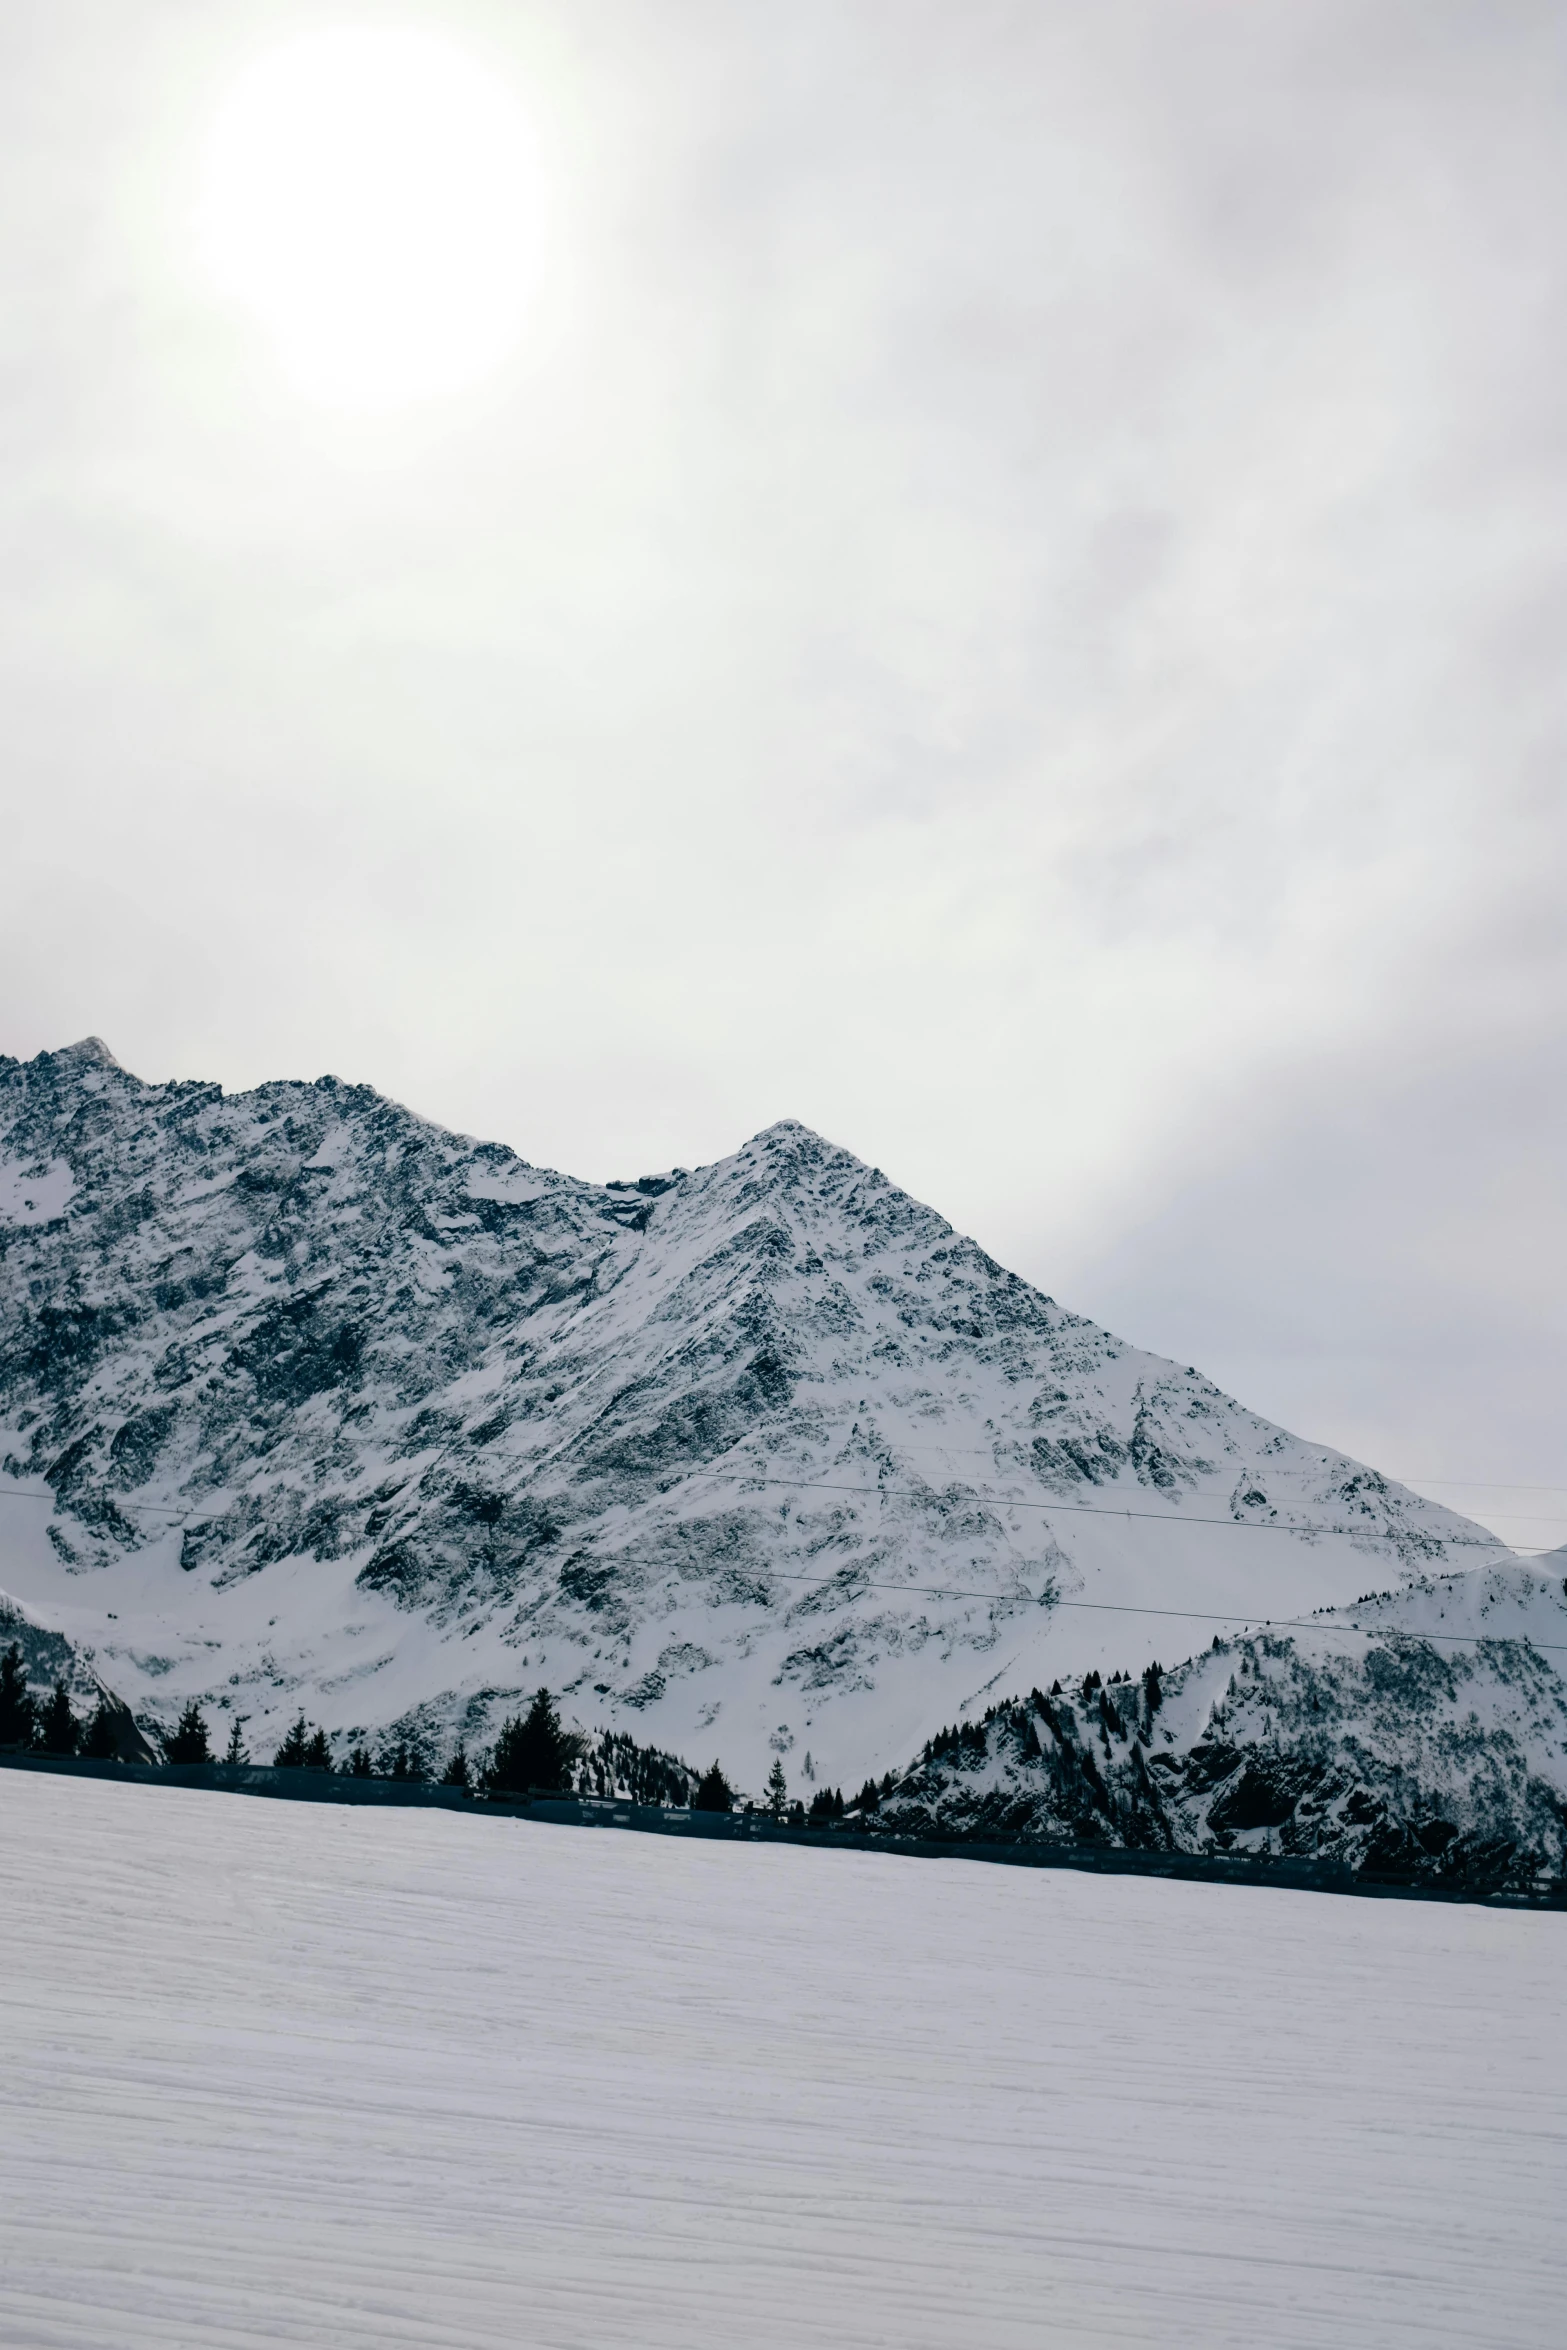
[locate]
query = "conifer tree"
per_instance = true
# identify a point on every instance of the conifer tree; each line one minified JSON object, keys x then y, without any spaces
{"x":869,"y":1797}
{"x":533,"y":1751}
{"x":404,"y":1759}
{"x":188,"y":1743}
{"x":100,"y":1741}
{"x":59,"y":1732}
{"x":714,"y":1792}
{"x":318,"y":1752}
{"x":777,"y":1790}
{"x":359,"y":1764}
{"x":290,"y":1756}
{"x":18,"y":1708}
{"x":456,"y":1773}
{"x":234,"y":1752}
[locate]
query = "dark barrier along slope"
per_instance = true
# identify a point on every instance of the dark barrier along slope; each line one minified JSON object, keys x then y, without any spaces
{"x":305,"y":1786}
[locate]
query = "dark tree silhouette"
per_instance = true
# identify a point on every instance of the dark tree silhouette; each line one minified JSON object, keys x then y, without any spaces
{"x":714,"y":1792}
{"x":234,"y":1752}
{"x":290,"y":1756}
{"x":404,"y":1759}
{"x":456,"y":1773}
{"x":18,"y":1708}
{"x":188,"y":1743}
{"x":59,"y":1731}
{"x":318,"y":1752}
{"x":100,"y":1739}
{"x":777,"y":1790}
{"x":533,"y":1751}
{"x":359,"y":1764}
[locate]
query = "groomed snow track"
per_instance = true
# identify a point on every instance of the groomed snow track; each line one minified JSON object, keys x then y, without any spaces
{"x":1280,"y":1871}
{"x":399,"y":2079}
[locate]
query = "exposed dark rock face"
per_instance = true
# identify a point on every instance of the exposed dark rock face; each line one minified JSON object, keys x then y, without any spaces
{"x":324,"y":1406}
{"x":1384,"y":1750}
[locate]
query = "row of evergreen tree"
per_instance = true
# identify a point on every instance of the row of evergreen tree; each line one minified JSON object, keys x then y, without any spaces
{"x":50,"y":1726}
{"x":533,"y":1753}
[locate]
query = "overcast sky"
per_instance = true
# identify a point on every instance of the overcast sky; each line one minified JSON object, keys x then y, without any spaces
{"x":1008,"y":602}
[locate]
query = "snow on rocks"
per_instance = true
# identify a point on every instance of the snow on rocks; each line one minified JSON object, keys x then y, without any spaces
{"x":1421,"y":1733}
{"x":305,"y":1401}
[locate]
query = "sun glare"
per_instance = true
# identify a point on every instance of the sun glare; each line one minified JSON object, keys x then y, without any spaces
{"x":371,"y":198}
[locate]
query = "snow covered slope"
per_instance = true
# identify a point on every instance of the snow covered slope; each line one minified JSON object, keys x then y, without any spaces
{"x":48,"y":1658}
{"x":1423,"y":1731}
{"x":317,"y":1404}
{"x":284,"y":2074}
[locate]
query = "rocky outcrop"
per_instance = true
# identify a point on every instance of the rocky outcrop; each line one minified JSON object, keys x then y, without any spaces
{"x":1370,"y":1738}
{"x":305,"y":1402}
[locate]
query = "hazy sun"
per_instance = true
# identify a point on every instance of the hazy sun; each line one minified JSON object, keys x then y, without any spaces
{"x":371,"y":197}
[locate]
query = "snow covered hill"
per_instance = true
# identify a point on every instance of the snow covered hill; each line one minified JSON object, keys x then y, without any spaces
{"x":1422,"y":1730}
{"x":307,"y":1402}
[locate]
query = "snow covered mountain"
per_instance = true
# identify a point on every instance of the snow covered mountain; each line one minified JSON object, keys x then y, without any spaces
{"x":306,"y":1402}
{"x":1422,"y":1730}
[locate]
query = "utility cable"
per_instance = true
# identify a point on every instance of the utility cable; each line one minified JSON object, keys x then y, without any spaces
{"x":1190,"y":1615}
{"x":1083,"y":1509}
{"x":982,"y":1501}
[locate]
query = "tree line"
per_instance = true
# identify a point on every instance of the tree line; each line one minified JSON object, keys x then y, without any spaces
{"x":534,"y":1753}
{"x":51,"y":1725}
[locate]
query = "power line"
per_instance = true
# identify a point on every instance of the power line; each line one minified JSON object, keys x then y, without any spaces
{"x":115,"y":1501}
{"x":983,"y":1501}
{"x":1465,"y":1484}
{"x":1099,"y":1607}
{"x":1083,"y":1509}
{"x":1483,"y":1484}
{"x":1189,"y":1615}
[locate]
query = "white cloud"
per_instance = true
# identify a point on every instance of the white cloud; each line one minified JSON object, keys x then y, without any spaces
{"x":1009,"y":606}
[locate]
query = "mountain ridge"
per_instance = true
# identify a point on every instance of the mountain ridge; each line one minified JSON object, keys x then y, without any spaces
{"x":319,"y":1403}
{"x":1369,"y":1737}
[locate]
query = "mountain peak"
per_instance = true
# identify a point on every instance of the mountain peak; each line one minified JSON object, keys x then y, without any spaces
{"x":795,"y":1144}
{"x":88,"y":1048}
{"x":343,"y":1411}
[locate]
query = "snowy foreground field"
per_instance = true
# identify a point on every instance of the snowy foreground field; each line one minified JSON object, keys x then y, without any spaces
{"x":278,"y":2073}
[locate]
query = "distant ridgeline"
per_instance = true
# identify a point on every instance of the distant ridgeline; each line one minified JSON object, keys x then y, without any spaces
{"x":1385,"y":1751}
